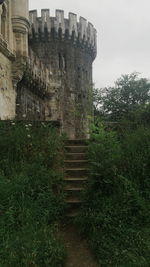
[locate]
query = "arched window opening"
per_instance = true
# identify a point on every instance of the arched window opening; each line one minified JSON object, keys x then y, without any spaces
{"x":4,"y":22}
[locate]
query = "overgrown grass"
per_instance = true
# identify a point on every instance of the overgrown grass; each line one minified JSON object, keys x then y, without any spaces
{"x":115,"y":214}
{"x":31,"y":195}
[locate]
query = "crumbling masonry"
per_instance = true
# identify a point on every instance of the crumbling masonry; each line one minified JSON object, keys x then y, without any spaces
{"x":46,"y":67}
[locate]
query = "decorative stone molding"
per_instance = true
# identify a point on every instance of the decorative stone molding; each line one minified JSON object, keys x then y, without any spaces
{"x":18,"y":69}
{"x":20,"y":24}
{"x":4,"y":49}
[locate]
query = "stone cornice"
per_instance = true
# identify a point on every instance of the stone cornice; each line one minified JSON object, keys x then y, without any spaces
{"x":20,"y":23}
{"x":4,"y":49}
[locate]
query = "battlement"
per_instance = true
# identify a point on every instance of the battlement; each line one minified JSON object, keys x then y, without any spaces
{"x":59,"y":27}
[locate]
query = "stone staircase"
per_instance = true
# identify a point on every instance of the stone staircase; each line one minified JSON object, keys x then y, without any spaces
{"x":76,"y":168}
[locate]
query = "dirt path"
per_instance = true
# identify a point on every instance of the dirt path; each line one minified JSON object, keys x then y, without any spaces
{"x":78,"y":252}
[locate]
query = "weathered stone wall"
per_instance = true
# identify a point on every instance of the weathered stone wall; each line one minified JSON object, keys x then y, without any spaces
{"x":6,"y":24}
{"x":14,"y":27}
{"x":67,"y":48}
{"x":49,"y":78}
{"x":36,"y":92}
{"x":7,"y":93}
{"x":29,"y":106}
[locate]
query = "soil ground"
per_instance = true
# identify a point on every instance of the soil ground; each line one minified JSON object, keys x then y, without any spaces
{"x":78,"y":252}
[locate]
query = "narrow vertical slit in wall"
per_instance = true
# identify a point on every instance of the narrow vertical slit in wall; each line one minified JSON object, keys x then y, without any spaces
{"x":60,"y":61}
{"x":65,"y":63}
{"x":4,"y":22}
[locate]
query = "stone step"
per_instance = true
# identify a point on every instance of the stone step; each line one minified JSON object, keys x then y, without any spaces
{"x":74,"y":194}
{"x":73,"y":207}
{"x":76,"y":172}
{"x":73,"y":213}
{"x":76,"y":179}
{"x":76,"y":163}
{"x":75,"y":156}
{"x":70,"y":188}
{"x":73,"y":191}
{"x":77,"y":142}
{"x":76,"y":149}
{"x":73,"y":200}
{"x":73,"y":181}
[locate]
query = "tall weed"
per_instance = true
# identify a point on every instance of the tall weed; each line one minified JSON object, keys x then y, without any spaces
{"x":115,"y":216}
{"x":31,"y":195}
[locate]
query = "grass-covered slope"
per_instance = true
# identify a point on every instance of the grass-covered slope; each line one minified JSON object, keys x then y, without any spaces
{"x":115,"y":214}
{"x":31,"y":196}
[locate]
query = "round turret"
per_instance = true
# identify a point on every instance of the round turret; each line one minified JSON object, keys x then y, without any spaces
{"x":20,"y":22}
{"x":20,"y":8}
{"x":67,"y":47}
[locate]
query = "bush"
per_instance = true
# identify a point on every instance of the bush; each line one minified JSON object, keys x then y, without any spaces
{"x":31,"y":195}
{"x":32,"y":247}
{"x":115,"y":215}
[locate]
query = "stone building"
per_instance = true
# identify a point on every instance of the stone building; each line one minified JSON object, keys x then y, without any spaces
{"x":46,"y":67}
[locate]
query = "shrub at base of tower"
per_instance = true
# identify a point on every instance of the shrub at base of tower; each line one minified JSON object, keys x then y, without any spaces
{"x":30,"y":204}
{"x":115,"y":214}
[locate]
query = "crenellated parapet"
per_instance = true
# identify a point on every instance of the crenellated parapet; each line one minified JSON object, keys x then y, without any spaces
{"x":47,"y":27}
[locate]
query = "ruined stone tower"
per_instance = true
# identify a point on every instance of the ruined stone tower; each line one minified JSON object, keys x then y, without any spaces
{"x":50,"y":67}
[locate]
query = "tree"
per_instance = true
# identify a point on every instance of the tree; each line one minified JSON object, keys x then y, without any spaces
{"x":129,"y":96}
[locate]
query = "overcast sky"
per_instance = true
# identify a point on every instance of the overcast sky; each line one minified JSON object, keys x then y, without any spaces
{"x":123,"y":30}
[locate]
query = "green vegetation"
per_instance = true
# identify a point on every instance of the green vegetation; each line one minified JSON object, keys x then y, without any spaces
{"x":116,"y":211}
{"x":128,"y":100}
{"x":31,"y":195}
